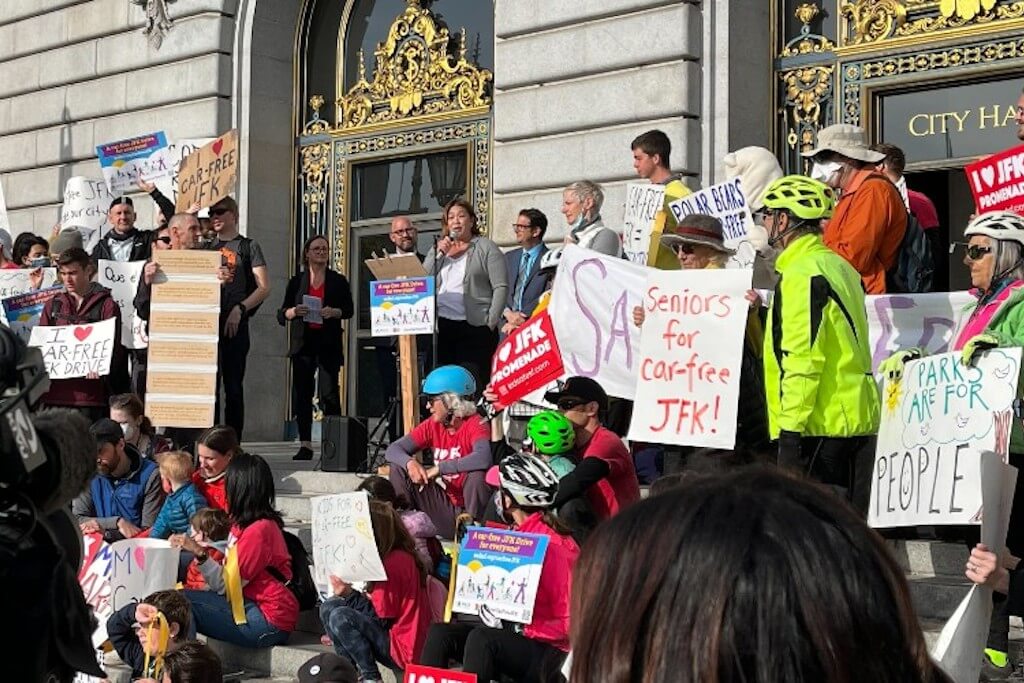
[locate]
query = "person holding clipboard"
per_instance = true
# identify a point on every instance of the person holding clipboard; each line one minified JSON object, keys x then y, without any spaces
{"x":315,"y":302}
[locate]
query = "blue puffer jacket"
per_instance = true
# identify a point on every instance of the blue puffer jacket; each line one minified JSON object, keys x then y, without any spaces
{"x":177,"y":511}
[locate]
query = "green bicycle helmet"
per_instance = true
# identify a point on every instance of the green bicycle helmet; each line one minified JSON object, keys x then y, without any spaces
{"x":551,"y":433}
{"x":803,"y":197}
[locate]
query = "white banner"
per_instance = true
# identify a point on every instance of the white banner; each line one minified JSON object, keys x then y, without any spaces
{"x":76,"y":350}
{"x":343,"y":541}
{"x":690,"y":356}
{"x":643,"y":201}
{"x":936,"y":423}
{"x":178,"y":150}
{"x":901,"y":321}
{"x":14,"y":282}
{"x":592,"y":310}
{"x":122,"y":279}
{"x":86,"y":203}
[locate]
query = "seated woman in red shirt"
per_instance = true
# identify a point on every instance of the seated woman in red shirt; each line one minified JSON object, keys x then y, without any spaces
{"x":462,"y":453}
{"x":247,"y":604}
{"x":389,"y":622}
{"x":216,"y":446}
{"x":536,"y":652}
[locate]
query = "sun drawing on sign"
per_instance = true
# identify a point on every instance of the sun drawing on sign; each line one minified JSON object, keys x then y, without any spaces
{"x":892,"y":396}
{"x":474,"y":566}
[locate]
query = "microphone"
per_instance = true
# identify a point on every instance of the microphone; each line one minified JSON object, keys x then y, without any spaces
{"x":71,"y":461}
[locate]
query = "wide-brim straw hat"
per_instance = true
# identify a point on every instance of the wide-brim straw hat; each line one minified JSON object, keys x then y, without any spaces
{"x":845,"y":139}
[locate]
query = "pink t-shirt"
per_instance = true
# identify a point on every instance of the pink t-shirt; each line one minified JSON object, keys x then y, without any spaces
{"x":261,"y":544}
{"x":621,"y":487}
{"x":403,"y":599}
{"x":550,"y":622}
{"x":449,"y":444}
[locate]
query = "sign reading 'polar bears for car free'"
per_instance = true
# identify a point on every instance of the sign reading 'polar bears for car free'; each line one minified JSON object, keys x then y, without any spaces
{"x":937,"y":422}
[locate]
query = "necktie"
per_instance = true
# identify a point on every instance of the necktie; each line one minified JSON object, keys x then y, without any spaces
{"x":524,"y":268}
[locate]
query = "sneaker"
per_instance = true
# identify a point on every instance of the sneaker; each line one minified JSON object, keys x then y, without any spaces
{"x":992,"y":673}
{"x":304,"y":453}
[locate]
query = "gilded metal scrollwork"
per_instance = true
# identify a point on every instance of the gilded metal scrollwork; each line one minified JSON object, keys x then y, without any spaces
{"x":871,"y":21}
{"x":806,"y":89}
{"x":316,"y":159}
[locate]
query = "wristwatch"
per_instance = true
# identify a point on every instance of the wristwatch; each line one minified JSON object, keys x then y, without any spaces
{"x":242,"y":308}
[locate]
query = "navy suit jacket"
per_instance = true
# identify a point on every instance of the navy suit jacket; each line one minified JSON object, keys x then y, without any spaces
{"x":535,"y":282}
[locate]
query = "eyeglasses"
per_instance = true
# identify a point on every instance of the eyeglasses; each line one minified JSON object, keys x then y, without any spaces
{"x":569,"y":402}
{"x":219,"y":212}
{"x":404,"y":231}
{"x":976,"y":252}
{"x":682,"y":249}
{"x":164,"y":238}
{"x":521,"y":228}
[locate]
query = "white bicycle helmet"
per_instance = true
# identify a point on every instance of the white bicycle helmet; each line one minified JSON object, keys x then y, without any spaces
{"x":528,"y":480}
{"x":550,"y":259}
{"x":999,"y":225}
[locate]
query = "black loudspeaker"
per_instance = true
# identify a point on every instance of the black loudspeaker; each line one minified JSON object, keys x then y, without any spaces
{"x":342,"y":444}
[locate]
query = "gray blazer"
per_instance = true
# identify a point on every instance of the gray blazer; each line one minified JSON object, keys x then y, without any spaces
{"x":486,"y":284}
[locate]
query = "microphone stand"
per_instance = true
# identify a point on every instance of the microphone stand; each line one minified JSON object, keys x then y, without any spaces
{"x":437,"y":315}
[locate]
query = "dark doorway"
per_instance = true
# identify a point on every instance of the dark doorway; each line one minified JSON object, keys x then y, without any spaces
{"x":951,"y":195}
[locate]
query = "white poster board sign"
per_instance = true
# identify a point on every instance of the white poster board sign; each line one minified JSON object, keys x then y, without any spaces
{"x":691,"y":347}
{"x":143,"y":157}
{"x":728,"y":203}
{"x":936,"y":423}
{"x":122,"y":279}
{"x":14,"y":282}
{"x":902,"y":321}
{"x":86,"y":203}
{"x":5,"y":223}
{"x":592,"y":310}
{"x":76,"y":350}
{"x":343,"y":541}
{"x":643,"y":201}
{"x":140,"y":566}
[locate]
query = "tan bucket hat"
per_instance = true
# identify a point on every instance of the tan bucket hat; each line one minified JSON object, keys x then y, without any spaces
{"x":845,"y":139}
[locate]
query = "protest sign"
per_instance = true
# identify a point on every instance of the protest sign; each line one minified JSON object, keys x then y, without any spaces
{"x":997,"y":182}
{"x":178,"y":151}
{"x":21,"y":312}
{"x":183,"y":333}
{"x":122,"y":279}
{"x":86,"y":202}
{"x":314,"y":309}
{"x":690,"y":350}
{"x":592,"y":312}
{"x":498,"y":573}
{"x":17,"y":281}
{"x":95,"y":582}
{"x":415,"y":673}
{"x":643,"y":202}
{"x":209,"y":174}
{"x":343,"y":541}
{"x":936,"y":422}
{"x":125,"y":162}
{"x":726,"y":202}
{"x":903,"y":321}
{"x":76,"y":350}
{"x":404,"y":306}
{"x":526,"y":360}
{"x":140,"y":566}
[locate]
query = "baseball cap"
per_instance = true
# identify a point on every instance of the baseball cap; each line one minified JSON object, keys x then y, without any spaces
{"x":583,"y":388}
{"x":106,"y":431}
{"x":122,"y":200}
{"x":327,"y":667}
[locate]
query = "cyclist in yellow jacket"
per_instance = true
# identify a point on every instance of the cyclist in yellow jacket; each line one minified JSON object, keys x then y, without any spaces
{"x":823,"y":403}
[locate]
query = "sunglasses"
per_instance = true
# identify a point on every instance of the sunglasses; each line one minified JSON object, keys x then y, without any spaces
{"x":682,"y":249}
{"x":165,"y":239}
{"x":219,"y":212}
{"x":570,"y":402}
{"x":976,"y":252}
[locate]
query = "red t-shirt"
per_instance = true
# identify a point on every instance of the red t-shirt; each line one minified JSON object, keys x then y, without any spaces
{"x":403,"y":599}
{"x":213,"y":491}
{"x":261,"y":545}
{"x":923,"y":210}
{"x":451,"y":445}
{"x":318,"y":292}
{"x":621,"y":487}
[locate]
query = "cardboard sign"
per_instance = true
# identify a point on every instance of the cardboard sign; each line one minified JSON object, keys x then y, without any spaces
{"x":903,"y":321}
{"x":21,"y":311}
{"x":997,"y":182}
{"x":526,"y":360}
{"x":415,"y":673}
{"x":343,"y":541}
{"x":404,"y":306}
{"x":643,"y":202}
{"x":690,"y":351}
{"x":122,"y":279}
{"x":76,"y":350}
{"x":498,"y":574}
{"x":177,"y":152}
{"x":209,"y":174}
{"x":184,"y":331}
{"x":936,"y":423}
{"x":86,"y":202}
{"x":592,"y":312}
{"x":126,"y":161}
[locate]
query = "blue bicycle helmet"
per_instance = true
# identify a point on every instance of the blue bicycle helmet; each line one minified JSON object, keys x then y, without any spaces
{"x":452,"y":379}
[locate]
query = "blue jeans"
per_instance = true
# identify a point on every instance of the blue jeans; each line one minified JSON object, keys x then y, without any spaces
{"x":211,"y":614}
{"x":358,"y":634}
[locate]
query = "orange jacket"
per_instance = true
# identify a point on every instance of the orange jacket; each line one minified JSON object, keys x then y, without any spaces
{"x":867,"y":227}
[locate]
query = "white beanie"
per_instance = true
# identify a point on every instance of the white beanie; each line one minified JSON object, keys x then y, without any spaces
{"x":757,"y":168}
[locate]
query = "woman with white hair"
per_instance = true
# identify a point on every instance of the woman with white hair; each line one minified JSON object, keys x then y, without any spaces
{"x":581,"y":206}
{"x":460,"y":440}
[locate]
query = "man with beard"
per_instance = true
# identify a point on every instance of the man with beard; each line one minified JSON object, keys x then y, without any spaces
{"x":126,"y":495}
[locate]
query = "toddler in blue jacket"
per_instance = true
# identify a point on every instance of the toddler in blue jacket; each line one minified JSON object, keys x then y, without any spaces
{"x":183,"y":499}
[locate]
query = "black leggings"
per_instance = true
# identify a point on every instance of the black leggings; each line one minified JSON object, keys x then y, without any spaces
{"x":491,"y":652}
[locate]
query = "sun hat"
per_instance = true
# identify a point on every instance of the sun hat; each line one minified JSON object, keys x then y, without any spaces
{"x":845,"y":139}
{"x":697,"y":229}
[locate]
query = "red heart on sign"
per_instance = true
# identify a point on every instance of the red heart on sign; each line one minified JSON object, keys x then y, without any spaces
{"x":217,"y":146}
{"x":82,"y":333}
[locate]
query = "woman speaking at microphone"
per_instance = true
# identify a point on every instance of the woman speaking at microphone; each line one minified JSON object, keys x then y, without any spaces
{"x":471,"y":287}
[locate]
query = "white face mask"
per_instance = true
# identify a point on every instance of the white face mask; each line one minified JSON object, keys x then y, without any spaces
{"x":130,"y":430}
{"x":823,"y":171}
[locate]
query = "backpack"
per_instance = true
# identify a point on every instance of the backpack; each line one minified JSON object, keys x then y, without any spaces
{"x":301,"y":585}
{"x":245,"y":255}
{"x":915,"y":264}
